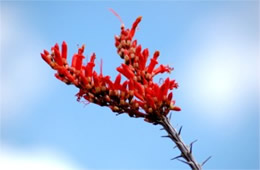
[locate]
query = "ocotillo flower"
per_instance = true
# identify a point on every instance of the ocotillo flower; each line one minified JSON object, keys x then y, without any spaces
{"x":137,"y":96}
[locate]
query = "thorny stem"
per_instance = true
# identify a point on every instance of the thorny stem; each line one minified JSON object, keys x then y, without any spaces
{"x":175,"y":137}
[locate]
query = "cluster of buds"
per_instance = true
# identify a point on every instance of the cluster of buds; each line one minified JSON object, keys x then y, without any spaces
{"x":137,"y":95}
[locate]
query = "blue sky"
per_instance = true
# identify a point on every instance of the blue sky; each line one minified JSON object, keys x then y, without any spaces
{"x":212,"y":45}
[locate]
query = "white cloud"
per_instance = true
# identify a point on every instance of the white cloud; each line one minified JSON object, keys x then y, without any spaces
{"x":23,"y":80}
{"x":42,"y":159}
{"x":223,"y":69}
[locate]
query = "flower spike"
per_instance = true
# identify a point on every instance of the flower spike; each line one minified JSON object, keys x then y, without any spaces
{"x":138,"y":96}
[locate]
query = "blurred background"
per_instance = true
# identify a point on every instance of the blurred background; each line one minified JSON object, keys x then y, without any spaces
{"x":213,"y":47}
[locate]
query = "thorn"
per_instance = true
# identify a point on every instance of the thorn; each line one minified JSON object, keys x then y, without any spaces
{"x":179,"y":156}
{"x":194,"y":141}
{"x":170,"y":116}
{"x":162,"y":129}
{"x":183,"y":161}
{"x":166,"y":136}
{"x":180,"y":131}
{"x":203,"y":163}
{"x":175,"y":147}
{"x":191,"y":144}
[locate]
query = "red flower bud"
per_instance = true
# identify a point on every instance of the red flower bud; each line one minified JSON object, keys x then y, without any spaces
{"x":170,"y":96}
{"x":56,"y":46}
{"x":57,"y":56}
{"x":64,"y":49}
{"x":134,"y":43}
{"x":138,"y":50}
{"x":46,"y":58}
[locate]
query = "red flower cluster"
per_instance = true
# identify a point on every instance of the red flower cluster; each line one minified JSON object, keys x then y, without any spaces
{"x":138,"y":95}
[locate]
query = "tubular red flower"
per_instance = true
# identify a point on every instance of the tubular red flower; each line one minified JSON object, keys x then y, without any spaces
{"x":64,"y":50}
{"x":170,"y":96}
{"x":162,"y":69}
{"x":164,"y":88}
{"x":134,"y":43}
{"x":117,"y":81}
{"x":176,"y":108}
{"x":139,"y":87}
{"x":153,"y":62}
{"x":125,"y":70}
{"x":46,"y":52}
{"x":81,"y":50}
{"x":145,"y":57}
{"x":77,"y":61}
{"x":46,"y":58}
{"x":173,"y":84}
{"x":59,"y":77}
{"x":138,"y":50}
{"x":56,"y":46}
{"x":57,"y":56}
{"x":90,"y":65}
{"x":132,"y":31}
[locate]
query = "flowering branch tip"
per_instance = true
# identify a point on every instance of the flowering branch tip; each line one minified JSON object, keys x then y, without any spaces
{"x":138,"y":95}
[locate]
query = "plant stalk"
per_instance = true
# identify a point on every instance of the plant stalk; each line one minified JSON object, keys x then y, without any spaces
{"x":186,"y":151}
